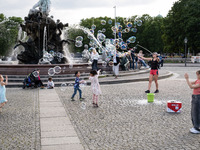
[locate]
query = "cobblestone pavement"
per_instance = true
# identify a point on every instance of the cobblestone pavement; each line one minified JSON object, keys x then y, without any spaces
{"x":19,"y":121}
{"x":125,"y":121}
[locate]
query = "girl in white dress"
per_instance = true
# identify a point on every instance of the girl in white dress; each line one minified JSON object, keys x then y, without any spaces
{"x":96,"y":90}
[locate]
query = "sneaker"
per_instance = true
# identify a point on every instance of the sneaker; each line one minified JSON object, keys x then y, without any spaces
{"x":194,"y":131}
{"x":72,"y":99}
{"x":147,"y":91}
{"x":81,"y":99}
{"x":157,"y":91}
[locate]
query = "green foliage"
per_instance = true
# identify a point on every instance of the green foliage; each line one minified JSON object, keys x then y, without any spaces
{"x":8,"y":33}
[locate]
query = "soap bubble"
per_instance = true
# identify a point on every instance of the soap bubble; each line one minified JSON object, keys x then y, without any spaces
{"x":83,"y":84}
{"x":104,"y":64}
{"x":70,"y":66}
{"x":63,"y":87}
{"x":114,"y":29}
{"x":70,"y":84}
{"x":127,"y":30}
{"x":139,"y":23}
{"x":100,"y":31}
{"x":51,"y":71}
{"x":103,"y":22}
{"x":92,"y":31}
{"x":120,"y":27}
{"x":124,"y":46}
{"x":101,"y":37}
{"x":103,"y":30}
{"x":79,"y":38}
{"x":57,"y":69}
{"x":72,"y":54}
{"x":83,"y":105}
{"x":36,"y":74}
{"x":89,"y":36}
{"x":132,"y":39}
{"x":59,"y":55}
{"x":134,"y":30}
{"x":78,"y":44}
{"x":50,"y":58}
{"x":93,"y":27}
{"x":129,"y":25}
{"x":52,"y":53}
{"x":110,"y":21}
{"x":86,"y":46}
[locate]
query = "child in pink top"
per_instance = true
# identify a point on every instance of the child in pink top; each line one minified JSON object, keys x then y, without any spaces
{"x":96,"y":90}
{"x":195,"y":110}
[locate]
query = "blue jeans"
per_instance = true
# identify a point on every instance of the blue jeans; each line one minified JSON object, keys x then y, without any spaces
{"x":75,"y":91}
{"x":142,"y":61}
{"x":133,"y":59}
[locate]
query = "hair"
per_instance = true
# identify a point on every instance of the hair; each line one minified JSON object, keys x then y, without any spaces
{"x":50,"y":78}
{"x":198,"y":72}
{"x":155,"y":53}
{"x":93,"y":72}
{"x":140,"y":51}
{"x":76,"y":73}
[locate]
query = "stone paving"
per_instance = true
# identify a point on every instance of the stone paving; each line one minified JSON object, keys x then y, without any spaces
{"x":19,"y":121}
{"x":126,"y":121}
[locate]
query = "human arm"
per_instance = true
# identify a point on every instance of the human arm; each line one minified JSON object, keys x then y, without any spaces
{"x":5,"y":83}
{"x":149,"y":59}
{"x":191,"y":84}
{"x":98,"y":72}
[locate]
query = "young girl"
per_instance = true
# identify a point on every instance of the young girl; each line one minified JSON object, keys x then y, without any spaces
{"x":95,"y":86}
{"x":154,"y":71}
{"x":3,"y":99}
{"x":195,"y":110}
{"x":50,"y":84}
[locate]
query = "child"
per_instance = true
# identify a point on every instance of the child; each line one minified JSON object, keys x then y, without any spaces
{"x":76,"y":86}
{"x":154,"y":71}
{"x":195,"y":110}
{"x":95,"y":86}
{"x":50,"y":84}
{"x":3,"y":99}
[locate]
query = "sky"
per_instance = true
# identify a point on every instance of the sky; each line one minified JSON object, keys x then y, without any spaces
{"x":72,"y":11}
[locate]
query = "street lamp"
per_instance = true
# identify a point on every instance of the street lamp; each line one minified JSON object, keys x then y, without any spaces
{"x":185,"y":41}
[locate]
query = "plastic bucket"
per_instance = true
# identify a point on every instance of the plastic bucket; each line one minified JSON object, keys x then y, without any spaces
{"x":150,"y":97}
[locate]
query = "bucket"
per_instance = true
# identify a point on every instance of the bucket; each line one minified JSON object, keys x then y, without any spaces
{"x":150,"y":97}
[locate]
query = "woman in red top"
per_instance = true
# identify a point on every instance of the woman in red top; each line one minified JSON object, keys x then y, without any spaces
{"x":154,"y":71}
{"x":195,"y":110}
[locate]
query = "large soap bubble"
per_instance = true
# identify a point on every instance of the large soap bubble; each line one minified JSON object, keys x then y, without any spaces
{"x":103,"y":22}
{"x":101,"y":37}
{"x":36,"y":74}
{"x":63,"y":87}
{"x":79,"y":38}
{"x":104,"y":63}
{"x":129,"y":24}
{"x":110,"y":21}
{"x":139,"y":23}
{"x":78,"y":44}
{"x":59,"y":55}
{"x":93,"y":27}
{"x":132,"y":39}
{"x":51,"y":71}
{"x":57,"y":69}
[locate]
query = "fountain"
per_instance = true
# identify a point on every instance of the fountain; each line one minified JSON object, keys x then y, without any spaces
{"x":44,"y":36}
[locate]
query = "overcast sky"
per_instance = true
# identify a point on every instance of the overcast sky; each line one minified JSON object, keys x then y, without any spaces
{"x":72,"y":11}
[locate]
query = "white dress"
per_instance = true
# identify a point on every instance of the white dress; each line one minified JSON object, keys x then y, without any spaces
{"x":95,"y":84}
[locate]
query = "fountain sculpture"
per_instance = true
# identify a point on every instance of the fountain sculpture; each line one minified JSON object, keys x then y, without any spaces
{"x":44,"y":37}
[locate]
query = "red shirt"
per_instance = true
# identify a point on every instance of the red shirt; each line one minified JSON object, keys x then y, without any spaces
{"x":197,"y":90}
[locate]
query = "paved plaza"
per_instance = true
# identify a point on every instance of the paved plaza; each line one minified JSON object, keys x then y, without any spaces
{"x":124,"y":120}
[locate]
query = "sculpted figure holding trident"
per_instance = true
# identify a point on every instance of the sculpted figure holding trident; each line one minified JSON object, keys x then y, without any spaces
{"x":44,"y":6}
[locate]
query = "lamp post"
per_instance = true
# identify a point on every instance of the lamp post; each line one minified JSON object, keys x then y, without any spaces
{"x":185,"y":41}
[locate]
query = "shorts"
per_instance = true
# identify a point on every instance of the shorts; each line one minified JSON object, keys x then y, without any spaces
{"x":154,"y":72}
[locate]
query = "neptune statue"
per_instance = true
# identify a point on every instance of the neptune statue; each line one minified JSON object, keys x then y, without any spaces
{"x":44,"y":6}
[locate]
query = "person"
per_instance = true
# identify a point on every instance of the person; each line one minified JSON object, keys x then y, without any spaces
{"x":38,"y":81}
{"x":195,"y":109}
{"x":154,"y":71}
{"x":161,"y":61}
{"x":50,"y":84}
{"x":116,"y":61}
{"x":3,"y":99}
{"x":132,"y":59}
{"x":77,"y":87}
{"x":96,"y":90}
{"x":140,"y":55}
{"x":94,"y":57}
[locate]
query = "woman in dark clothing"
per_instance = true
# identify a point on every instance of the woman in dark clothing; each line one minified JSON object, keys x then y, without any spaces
{"x":38,"y":81}
{"x":154,"y":71}
{"x":116,"y":61}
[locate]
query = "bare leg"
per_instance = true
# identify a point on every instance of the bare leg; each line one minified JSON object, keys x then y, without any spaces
{"x":156,"y":81}
{"x":150,"y":81}
{"x":2,"y":104}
